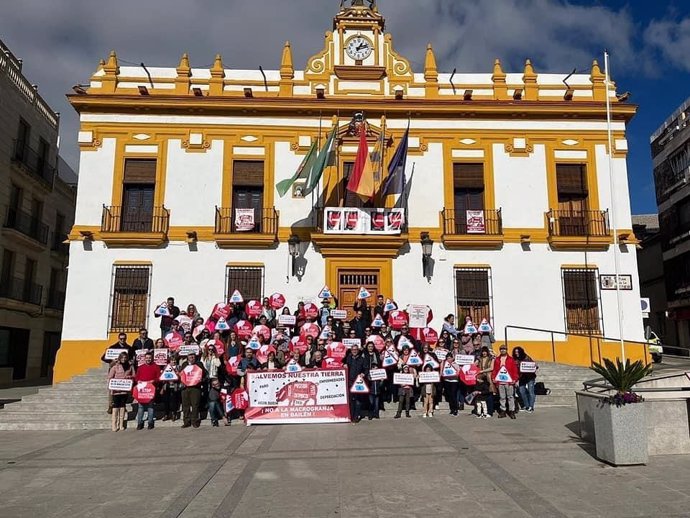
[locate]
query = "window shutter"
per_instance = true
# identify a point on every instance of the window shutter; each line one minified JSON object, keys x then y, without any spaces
{"x":249,"y":282}
{"x":248,"y":172}
{"x":468,"y":176}
{"x":571,"y":179}
{"x":140,"y":171}
{"x":580,"y":287}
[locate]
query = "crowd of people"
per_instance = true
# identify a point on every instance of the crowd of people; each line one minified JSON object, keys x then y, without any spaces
{"x":198,"y":364}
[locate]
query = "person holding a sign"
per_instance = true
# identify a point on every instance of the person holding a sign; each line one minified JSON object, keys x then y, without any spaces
{"x":147,"y":372}
{"x":361,"y":305}
{"x":528,"y":375}
{"x":141,"y":343}
{"x":449,"y":373}
{"x":167,"y":320}
{"x":121,"y":370}
{"x":110,"y":357}
{"x":406,"y":338}
{"x":405,"y":393}
{"x":356,"y":366}
{"x":371,"y":362}
{"x":192,"y":376}
{"x":428,"y":393}
{"x":505,"y":376}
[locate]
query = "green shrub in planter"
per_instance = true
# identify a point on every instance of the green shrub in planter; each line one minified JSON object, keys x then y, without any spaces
{"x":622,"y":377}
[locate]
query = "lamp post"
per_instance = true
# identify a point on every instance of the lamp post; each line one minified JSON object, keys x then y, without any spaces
{"x":293,"y":247}
{"x":427,"y":248}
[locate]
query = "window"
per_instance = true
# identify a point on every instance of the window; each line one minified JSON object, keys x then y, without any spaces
{"x":581,"y":300}
{"x":15,"y":197}
{"x":468,"y":192}
{"x":571,"y":180}
{"x":22,"y":146}
{"x":43,"y":153}
{"x":248,"y":192}
{"x":473,"y":294}
{"x":7,"y":267}
{"x":138,"y":194}
{"x":248,"y":280}
{"x":130,"y":298}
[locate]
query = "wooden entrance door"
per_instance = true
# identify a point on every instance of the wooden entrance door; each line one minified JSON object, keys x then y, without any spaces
{"x":349,"y":282}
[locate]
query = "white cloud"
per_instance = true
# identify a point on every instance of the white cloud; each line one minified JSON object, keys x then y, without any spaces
{"x":61,"y":41}
{"x":671,"y":39}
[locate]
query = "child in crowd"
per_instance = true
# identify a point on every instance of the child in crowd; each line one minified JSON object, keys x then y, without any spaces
{"x":428,"y":392}
{"x":481,"y":395}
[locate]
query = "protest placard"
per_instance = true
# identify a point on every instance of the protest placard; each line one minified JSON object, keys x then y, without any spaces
{"x":429,"y":377}
{"x":528,"y":367}
{"x":377,"y":374}
{"x":287,"y":320}
{"x":339,"y":314}
{"x":464,"y":359}
{"x":112,"y":354}
{"x":403,"y":379}
{"x":349,"y":342}
{"x":120,"y":385}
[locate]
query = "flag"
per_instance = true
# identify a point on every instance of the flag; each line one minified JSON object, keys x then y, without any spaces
{"x":371,"y":175}
{"x":363,"y":187}
{"x":405,"y":196}
{"x":395,"y":183}
{"x":320,"y":163}
{"x":302,"y":171}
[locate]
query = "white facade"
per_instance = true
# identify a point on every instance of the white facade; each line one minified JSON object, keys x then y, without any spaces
{"x":195,"y":153}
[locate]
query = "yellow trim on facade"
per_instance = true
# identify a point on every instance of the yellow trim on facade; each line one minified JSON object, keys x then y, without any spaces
{"x":240,"y":264}
{"x":132,"y":263}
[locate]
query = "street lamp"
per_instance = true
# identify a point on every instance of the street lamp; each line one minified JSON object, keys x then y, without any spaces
{"x":293,"y":247}
{"x":427,"y":248}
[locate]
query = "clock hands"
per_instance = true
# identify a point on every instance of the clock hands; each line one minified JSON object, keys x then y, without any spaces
{"x":363,"y":45}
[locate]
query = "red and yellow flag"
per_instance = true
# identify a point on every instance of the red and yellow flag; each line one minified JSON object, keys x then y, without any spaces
{"x":367,"y":169}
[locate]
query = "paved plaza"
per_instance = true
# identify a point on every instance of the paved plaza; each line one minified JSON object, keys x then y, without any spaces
{"x":442,"y":466}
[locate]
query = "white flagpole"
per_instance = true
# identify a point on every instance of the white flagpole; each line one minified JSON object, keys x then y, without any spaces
{"x":614,"y":222}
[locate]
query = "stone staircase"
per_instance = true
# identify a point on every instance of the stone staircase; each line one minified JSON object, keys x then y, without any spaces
{"x":81,"y":403}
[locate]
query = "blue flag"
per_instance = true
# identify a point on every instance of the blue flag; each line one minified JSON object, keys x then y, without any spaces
{"x":395,"y":183}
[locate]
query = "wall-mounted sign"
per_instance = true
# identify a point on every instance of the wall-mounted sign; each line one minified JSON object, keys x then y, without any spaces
{"x":346,"y":220}
{"x":608,"y":282}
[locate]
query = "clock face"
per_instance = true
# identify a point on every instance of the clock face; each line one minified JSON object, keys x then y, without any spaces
{"x":359,"y":48}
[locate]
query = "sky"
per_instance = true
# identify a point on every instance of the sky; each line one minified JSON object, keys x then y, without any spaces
{"x":61,"y":42}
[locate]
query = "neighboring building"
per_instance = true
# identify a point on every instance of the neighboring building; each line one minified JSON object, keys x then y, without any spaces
{"x":510,"y":183}
{"x":650,"y":263}
{"x":671,"y":157}
{"x":36,"y":213}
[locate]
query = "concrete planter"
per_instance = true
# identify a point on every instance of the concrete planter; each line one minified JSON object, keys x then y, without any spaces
{"x":620,"y":433}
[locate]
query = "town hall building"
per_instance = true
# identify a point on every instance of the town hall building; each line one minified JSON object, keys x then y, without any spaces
{"x":507,"y":209}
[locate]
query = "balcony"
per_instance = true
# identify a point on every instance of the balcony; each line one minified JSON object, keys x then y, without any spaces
{"x":21,"y":290}
{"x":246,"y":228}
{"x":579,"y":229}
{"x":358,"y":232}
{"x":138,"y":227}
{"x":56,"y":300}
{"x":472,"y":228}
{"x":33,"y":163}
{"x":27,"y":228}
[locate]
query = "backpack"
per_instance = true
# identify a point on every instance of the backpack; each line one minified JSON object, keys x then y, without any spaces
{"x":540,"y":389}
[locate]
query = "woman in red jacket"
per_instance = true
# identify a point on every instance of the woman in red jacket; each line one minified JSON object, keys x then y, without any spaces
{"x":505,"y":376}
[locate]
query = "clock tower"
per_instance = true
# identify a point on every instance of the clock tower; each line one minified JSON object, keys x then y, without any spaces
{"x":359,"y":58}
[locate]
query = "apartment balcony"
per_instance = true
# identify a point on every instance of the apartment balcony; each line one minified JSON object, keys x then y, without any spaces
{"x":246,"y":228}
{"x":360,"y":232}
{"x":34,"y":164}
{"x":579,"y":229}
{"x":56,"y":300}
{"x":20,"y":291}
{"x":472,"y":228}
{"x":139,"y":227}
{"x":24,"y":227}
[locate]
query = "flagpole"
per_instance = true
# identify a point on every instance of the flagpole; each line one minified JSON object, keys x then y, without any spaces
{"x":614,"y":222}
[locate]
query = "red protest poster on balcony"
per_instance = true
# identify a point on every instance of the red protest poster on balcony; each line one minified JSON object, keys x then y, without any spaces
{"x":244,"y":220}
{"x":475,"y":222}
